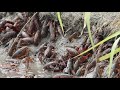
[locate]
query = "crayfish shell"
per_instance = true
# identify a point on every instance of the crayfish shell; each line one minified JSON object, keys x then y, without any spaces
{"x":74,"y":35}
{"x":12,"y":48}
{"x":47,"y":52}
{"x":45,"y":28}
{"x":7,"y":36}
{"x":72,"y":51}
{"x":21,"y":53}
{"x":52,"y":32}
{"x":52,"y":66}
{"x":76,"y":65}
{"x":25,"y":41}
{"x":24,"y":34}
{"x":37,"y":37}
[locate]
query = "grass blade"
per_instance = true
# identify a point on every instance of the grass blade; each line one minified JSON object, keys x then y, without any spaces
{"x":101,"y":42}
{"x":87,"y":21}
{"x":112,"y":55}
{"x":84,"y":22}
{"x":60,"y":21}
{"x":108,"y":55}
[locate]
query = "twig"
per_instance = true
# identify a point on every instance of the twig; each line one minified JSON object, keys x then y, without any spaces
{"x":22,"y":30}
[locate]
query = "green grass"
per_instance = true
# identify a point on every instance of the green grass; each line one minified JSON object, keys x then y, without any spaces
{"x":107,"y":56}
{"x":101,"y":42}
{"x":60,"y":21}
{"x":87,"y":22}
{"x":84,"y":22}
{"x":113,"y":49}
{"x":112,"y":55}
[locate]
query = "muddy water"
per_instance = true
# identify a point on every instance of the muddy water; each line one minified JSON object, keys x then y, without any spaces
{"x":3,"y":56}
{"x":36,"y":67}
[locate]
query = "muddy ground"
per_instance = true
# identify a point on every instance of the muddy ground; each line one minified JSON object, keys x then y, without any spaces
{"x":102,"y":24}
